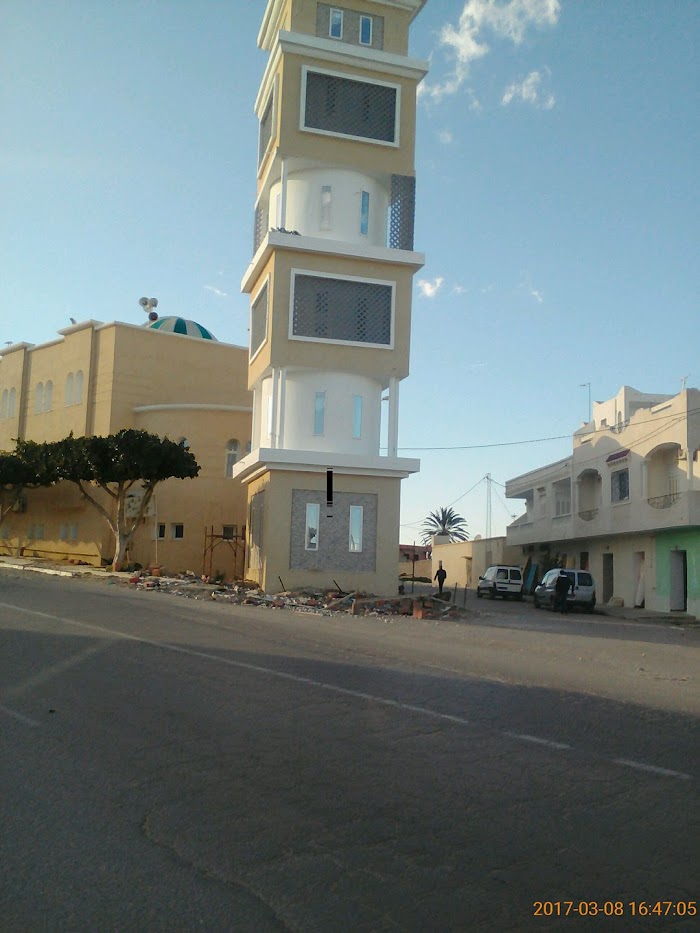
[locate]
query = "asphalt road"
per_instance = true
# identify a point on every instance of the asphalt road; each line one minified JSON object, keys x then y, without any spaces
{"x":174,"y":765}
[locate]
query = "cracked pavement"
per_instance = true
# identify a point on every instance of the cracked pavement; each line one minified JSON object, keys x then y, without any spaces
{"x":226,"y":768}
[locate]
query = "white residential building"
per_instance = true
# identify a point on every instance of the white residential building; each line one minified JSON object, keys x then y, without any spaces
{"x":625,"y":504}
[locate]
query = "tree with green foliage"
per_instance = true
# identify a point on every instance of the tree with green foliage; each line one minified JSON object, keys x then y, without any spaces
{"x":19,"y":471}
{"x":444,"y":521}
{"x":128,"y":464}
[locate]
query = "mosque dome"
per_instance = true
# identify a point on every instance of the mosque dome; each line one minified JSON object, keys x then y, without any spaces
{"x":180,"y":325}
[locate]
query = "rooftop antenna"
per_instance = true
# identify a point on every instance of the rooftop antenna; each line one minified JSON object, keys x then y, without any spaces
{"x":684,"y":381}
{"x":72,"y":320}
{"x":148,"y":305}
{"x":583,"y":386}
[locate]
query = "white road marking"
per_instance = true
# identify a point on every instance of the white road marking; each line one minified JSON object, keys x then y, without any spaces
{"x":653,"y":769}
{"x":27,"y":720}
{"x":536,"y":740}
{"x":309,"y":681}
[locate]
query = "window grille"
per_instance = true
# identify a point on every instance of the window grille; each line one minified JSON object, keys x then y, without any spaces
{"x":258,"y":321}
{"x":342,"y":309}
{"x":350,"y":108}
{"x":259,"y":228}
{"x":620,"y":485}
{"x":402,"y":211}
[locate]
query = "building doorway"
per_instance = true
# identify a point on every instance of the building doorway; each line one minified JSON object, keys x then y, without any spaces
{"x":679,"y":581}
{"x":608,"y":578}
{"x":639,"y":586}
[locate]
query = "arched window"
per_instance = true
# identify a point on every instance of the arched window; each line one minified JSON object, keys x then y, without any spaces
{"x":39,"y":398}
{"x":11,"y":406}
{"x":5,"y":404}
{"x":231,"y":456}
{"x":48,"y":396}
{"x":247,"y":446}
{"x":78,"y":394}
{"x":70,"y":380}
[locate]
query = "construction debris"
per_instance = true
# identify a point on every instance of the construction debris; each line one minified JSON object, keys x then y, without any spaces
{"x":320,"y":602}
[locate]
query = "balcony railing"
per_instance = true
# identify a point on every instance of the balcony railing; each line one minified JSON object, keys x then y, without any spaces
{"x":664,"y":502}
{"x":588,"y":514}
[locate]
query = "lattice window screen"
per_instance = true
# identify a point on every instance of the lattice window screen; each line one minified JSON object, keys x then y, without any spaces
{"x":258,"y":321}
{"x":338,"y":309}
{"x":259,"y":228}
{"x":402,"y":211}
{"x":350,"y":108}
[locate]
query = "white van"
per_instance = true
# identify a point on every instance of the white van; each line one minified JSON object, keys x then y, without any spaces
{"x":502,"y":581}
{"x":581,"y":594}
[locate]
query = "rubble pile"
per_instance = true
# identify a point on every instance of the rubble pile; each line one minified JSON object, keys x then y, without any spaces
{"x":329,"y":602}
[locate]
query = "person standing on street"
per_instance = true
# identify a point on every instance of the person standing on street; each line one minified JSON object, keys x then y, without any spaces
{"x":561,"y":590}
{"x":440,"y":576}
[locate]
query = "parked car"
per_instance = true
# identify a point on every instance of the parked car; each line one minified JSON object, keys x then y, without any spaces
{"x":501,"y":581}
{"x":582,"y":594}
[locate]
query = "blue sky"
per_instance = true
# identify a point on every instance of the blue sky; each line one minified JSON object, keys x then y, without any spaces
{"x":557,"y":164}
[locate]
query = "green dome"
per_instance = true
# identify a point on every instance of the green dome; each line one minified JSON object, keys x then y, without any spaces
{"x":180,"y":325}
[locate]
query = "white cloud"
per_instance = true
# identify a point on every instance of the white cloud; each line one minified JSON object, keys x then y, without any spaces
{"x":458,"y":289}
{"x":216,"y":291}
{"x":503,"y":19}
{"x":537,"y":295}
{"x":445,"y":137}
{"x":430,"y":289}
{"x":529,"y":91}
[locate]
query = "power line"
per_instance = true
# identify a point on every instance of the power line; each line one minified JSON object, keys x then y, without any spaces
{"x":557,"y":437}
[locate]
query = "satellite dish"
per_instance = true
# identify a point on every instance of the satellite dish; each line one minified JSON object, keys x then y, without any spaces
{"x":143,"y":302}
{"x":154,"y":302}
{"x":73,"y":320}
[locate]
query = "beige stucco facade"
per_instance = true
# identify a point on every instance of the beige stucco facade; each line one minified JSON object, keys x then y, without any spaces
{"x":105,"y":377}
{"x":330,"y":282}
{"x":465,"y":561}
{"x":625,"y":504}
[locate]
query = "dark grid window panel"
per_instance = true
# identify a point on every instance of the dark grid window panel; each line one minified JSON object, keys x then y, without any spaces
{"x":265,"y":132}
{"x":258,"y":321}
{"x":342,"y":310}
{"x":259,"y":228}
{"x":402,"y":211}
{"x":350,"y":108}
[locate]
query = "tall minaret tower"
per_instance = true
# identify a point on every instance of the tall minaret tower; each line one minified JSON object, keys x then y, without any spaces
{"x":330,"y":283}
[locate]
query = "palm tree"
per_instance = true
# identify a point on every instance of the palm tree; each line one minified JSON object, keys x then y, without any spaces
{"x":445,"y":521}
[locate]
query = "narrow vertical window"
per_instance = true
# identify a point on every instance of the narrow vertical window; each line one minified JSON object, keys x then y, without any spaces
{"x":78,"y":393}
{"x":319,"y":412}
{"x":313,"y":514}
{"x":364,"y":213}
{"x":13,"y":396}
{"x":365,"y":30}
{"x":335,"y":30}
{"x":70,"y":382}
{"x":231,"y":456}
{"x":325,"y":207}
{"x":48,"y":396}
{"x":356,"y":516}
{"x":278,"y":210}
{"x":357,"y":416}
{"x":161,"y":530}
{"x":5,"y":406}
{"x":39,"y":398}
